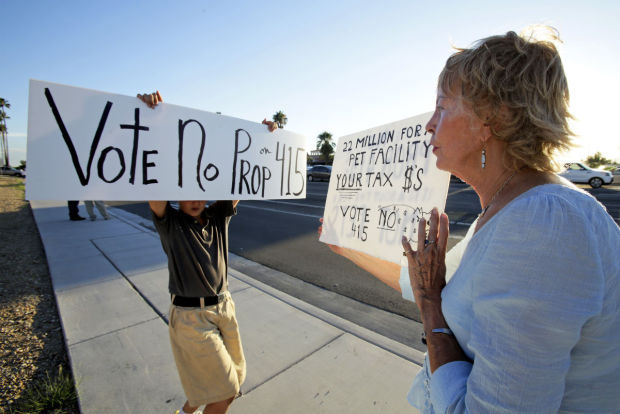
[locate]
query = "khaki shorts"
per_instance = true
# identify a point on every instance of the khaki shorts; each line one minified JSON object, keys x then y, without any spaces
{"x":207,"y":350}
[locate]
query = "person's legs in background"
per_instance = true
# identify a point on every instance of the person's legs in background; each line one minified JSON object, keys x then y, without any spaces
{"x":74,"y":211}
{"x":100,"y":206}
{"x":102,"y":210}
{"x":90,"y":210}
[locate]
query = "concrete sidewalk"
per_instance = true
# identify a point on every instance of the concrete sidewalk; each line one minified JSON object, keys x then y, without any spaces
{"x":110,"y":279}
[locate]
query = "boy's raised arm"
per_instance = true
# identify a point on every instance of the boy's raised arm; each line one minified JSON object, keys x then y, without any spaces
{"x":158,"y":207}
{"x":152,"y":99}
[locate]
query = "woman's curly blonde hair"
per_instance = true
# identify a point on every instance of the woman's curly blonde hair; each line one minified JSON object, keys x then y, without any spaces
{"x":517,"y":86}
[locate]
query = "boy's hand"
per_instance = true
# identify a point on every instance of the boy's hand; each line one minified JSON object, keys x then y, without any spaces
{"x":151,"y":99}
{"x":272,"y":126}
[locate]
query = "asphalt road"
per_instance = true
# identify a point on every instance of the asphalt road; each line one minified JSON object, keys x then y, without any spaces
{"x":281,"y":234}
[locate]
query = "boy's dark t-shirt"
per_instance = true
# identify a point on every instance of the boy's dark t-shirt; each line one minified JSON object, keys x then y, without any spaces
{"x":197,"y":255}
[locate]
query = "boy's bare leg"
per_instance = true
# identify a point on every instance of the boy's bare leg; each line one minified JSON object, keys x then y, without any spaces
{"x":188,"y":408}
{"x":220,"y":407}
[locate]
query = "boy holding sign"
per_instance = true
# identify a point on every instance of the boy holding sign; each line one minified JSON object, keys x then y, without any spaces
{"x":204,"y":334}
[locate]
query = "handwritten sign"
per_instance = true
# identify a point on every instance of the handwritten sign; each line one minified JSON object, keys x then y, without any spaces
{"x":383,"y":181}
{"x":90,"y":145}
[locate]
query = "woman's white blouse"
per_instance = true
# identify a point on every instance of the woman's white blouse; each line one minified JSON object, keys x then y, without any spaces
{"x":535,"y":303}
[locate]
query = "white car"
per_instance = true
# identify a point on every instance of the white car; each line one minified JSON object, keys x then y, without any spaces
{"x":577,"y":172}
{"x":11,"y":171}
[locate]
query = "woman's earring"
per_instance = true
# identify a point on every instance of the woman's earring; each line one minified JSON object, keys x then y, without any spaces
{"x":483,"y":159}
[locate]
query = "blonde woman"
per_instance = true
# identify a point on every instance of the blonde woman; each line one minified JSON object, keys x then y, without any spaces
{"x":530,"y":319}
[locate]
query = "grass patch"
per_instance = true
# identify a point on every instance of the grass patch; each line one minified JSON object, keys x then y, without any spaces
{"x":55,"y":395}
{"x":19,"y":185}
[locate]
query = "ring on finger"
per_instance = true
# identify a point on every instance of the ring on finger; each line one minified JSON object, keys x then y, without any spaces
{"x":428,"y":242}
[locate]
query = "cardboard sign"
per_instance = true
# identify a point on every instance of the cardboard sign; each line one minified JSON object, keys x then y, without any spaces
{"x":382,"y":182}
{"x":90,"y":145}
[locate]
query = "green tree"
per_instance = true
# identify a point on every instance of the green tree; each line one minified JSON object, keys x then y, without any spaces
{"x":280,"y":119}
{"x":325,"y":145}
{"x":597,"y":160}
{"x":3,"y":130}
{"x":22,"y":165}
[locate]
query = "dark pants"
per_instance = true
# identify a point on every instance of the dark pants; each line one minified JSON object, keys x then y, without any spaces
{"x":73,"y":209}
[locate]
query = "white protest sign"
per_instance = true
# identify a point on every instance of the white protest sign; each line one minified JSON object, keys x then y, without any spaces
{"x":90,"y":145}
{"x":383,"y":181}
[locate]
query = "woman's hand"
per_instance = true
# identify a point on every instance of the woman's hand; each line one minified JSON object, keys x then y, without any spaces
{"x":387,"y":272}
{"x":336,"y":249}
{"x":427,"y":265}
{"x":151,"y":99}
{"x":427,"y":273}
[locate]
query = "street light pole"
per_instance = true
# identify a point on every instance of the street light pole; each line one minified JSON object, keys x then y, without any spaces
{"x":3,"y":117}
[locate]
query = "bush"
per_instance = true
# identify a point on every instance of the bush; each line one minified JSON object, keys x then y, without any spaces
{"x":52,"y":395}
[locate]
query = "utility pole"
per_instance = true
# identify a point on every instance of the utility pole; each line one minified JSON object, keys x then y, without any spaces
{"x":3,"y":117}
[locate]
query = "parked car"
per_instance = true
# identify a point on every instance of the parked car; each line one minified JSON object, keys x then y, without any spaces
{"x":580,"y":173}
{"x":11,"y":171}
{"x":319,"y":173}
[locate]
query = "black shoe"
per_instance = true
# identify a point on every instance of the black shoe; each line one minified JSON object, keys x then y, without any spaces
{"x":76,"y":218}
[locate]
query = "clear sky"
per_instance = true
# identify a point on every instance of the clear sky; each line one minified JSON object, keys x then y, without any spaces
{"x":336,"y":66}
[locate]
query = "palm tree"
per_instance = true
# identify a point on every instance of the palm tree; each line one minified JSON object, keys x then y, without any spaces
{"x":323,"y":137}
{"x":280,"y":119}
{"x":325,"y":145}
{"x":3,"y":117}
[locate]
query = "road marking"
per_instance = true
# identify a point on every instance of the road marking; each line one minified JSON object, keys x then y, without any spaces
{"x":459,"y":191}
{"x":175,"y":205}
{"x":318,"y":217}
{"x":288,"y":203}
{"x":460,"y":223}
{"x":281,"y":211}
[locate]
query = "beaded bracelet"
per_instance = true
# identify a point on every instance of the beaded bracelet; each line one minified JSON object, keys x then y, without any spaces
{"x":446,"y":331}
